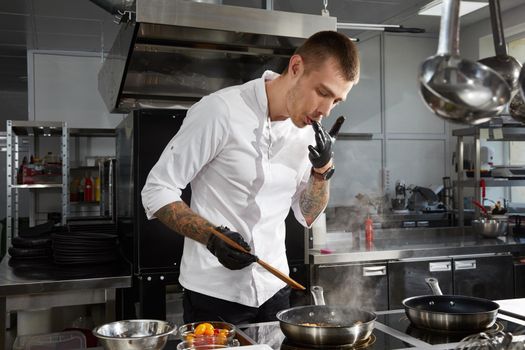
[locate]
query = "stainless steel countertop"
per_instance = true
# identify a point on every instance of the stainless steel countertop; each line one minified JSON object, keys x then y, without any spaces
{"x":24,"y":280}
{"x":396,"y":244}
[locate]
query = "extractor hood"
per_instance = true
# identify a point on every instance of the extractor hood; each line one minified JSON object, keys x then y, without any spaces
{"x":170,"y":53}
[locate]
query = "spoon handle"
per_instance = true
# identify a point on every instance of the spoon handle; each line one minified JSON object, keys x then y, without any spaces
{"x":497,"y":28}
{"x":449,"y":29}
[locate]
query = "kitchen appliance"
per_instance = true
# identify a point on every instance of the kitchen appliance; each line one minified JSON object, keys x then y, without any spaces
{"x":399,"y":202}
{"x":170,"y":53}
{"x":392,"y":331}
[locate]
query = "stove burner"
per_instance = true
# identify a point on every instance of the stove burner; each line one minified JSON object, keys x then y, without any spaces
{"x":362,"y":344}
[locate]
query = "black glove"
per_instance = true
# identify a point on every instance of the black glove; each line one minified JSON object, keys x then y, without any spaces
{"x":321,"y":154}
{"x":230,"y":257}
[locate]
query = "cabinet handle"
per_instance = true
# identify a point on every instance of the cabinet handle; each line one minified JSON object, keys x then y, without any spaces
{"x":465,"y":265}
{"x":439,"y":266}
{"x":374,"y":271}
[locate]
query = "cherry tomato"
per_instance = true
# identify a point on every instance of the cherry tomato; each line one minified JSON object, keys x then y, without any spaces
{"x":204,"y":329}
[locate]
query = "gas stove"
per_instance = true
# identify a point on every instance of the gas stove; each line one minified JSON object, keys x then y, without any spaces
{"x":393,"y":331}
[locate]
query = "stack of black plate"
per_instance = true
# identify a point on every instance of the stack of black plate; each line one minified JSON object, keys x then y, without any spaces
{"x":71,"y":248}
{"x":36,"y":247}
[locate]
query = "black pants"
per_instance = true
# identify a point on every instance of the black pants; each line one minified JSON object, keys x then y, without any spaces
{"x":199,"y":307}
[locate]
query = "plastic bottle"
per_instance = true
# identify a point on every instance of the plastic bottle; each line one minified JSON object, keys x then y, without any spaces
{"x":74,"y":189}
{"x":88,"y":189}
{"x":81,"y":190}
{"x":97,"y":189}
{"x":369,"y":230}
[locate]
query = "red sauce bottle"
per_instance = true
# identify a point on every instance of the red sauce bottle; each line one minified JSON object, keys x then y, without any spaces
{"x":88,"y":190}
{"x":369,"y":230}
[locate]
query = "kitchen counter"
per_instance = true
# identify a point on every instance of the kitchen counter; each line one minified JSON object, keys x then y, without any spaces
{"x":35,"y":284}
{"x":392,"y":244}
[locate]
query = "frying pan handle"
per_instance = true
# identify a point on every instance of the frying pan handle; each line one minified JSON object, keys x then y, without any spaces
{"x":434,"y":285}
{"x":317,"y":293}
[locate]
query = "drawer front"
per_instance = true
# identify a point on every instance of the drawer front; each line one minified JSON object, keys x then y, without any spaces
{"x":363,"y":286}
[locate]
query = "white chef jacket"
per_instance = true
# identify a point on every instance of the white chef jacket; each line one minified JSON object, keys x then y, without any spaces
{"x":245,"y":172}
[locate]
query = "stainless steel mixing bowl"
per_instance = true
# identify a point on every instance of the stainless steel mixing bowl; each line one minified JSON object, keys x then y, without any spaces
{"x":490,"y":227}
{"x":134,"y":334}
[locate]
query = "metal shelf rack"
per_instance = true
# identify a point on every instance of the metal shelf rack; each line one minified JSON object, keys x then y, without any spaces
{"x":491,"y":133}
{"x":16,"y":130}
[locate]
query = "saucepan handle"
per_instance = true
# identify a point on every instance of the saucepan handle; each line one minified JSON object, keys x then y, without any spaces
{"x":434,"y":285}
{"x":317,"y":293}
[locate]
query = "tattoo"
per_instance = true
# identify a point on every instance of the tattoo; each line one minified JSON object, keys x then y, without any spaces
{"x":314,"y":198}
{"x":181,"y":219}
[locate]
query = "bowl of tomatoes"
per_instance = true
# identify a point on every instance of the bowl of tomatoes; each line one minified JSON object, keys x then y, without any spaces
{"x":207,"y":333}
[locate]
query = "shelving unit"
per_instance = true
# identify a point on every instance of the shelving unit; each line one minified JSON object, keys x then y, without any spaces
{"x":100,"y":166}
{"x":502,"y":133}
{"x":16,"y":131}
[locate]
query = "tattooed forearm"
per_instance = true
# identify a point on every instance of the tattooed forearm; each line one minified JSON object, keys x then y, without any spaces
{"x":314,"y":199}
{"x":180,"y":218}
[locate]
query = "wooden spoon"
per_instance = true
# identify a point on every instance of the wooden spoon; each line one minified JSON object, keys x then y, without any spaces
{"x":265,"y":265}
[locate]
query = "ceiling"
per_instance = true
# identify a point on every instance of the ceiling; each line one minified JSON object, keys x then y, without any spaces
{"x":80,"y":25}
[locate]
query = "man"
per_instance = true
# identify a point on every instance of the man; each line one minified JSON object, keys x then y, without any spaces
{"x":248,"y":152}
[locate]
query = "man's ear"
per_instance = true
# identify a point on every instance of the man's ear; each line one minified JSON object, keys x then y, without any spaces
{"x":295,"y":66}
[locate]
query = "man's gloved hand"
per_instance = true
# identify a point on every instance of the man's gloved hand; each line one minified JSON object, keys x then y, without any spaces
{"x":321,"y":154}
{"x":230,"y":257}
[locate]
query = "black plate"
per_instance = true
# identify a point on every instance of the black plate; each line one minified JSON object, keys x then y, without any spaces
{"x":71,"y":261}
{"x":86,"y":235}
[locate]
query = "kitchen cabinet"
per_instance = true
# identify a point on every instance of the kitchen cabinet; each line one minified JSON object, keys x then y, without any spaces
{"x":361,"y":285}
{"x":42,"y":180}
{"x":406,"y":278}
{"x":483,"y":276}
{"x":490,"y":277}
{"x":505,"y":133}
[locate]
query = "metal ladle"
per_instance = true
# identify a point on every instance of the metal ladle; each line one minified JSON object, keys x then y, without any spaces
{"x":507,"y":66}
{"x":521,"y":82}
{"x":455,"y":89}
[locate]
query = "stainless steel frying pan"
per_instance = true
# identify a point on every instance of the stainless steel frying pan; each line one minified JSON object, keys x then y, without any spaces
{"x":322,"y":325}
{"x":450,"y":312}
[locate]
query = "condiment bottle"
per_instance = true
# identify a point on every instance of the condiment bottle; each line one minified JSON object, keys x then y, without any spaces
{"x":88,"y":189}
{"x":97,"y":189}
{"x":369,"y":230}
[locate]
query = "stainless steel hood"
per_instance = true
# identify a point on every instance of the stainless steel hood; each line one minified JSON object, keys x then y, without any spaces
{"x":173,"y":52}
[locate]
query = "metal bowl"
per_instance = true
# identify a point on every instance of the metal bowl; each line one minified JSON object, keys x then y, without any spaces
{"x":490,"y":227}
{"x":134,"y":334}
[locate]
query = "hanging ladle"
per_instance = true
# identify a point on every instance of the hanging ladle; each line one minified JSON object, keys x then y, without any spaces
{"x":521,"y":82}
{"x":507,"y":66}
{"x":455,"y":89}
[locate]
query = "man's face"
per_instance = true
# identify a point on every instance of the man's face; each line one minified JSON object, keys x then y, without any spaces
{"x":315,"y":93}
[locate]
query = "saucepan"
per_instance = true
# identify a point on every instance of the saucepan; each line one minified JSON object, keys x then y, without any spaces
{"x":452,"y":313}
{"x":456,"y":89}
{"x":322,"y":325}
